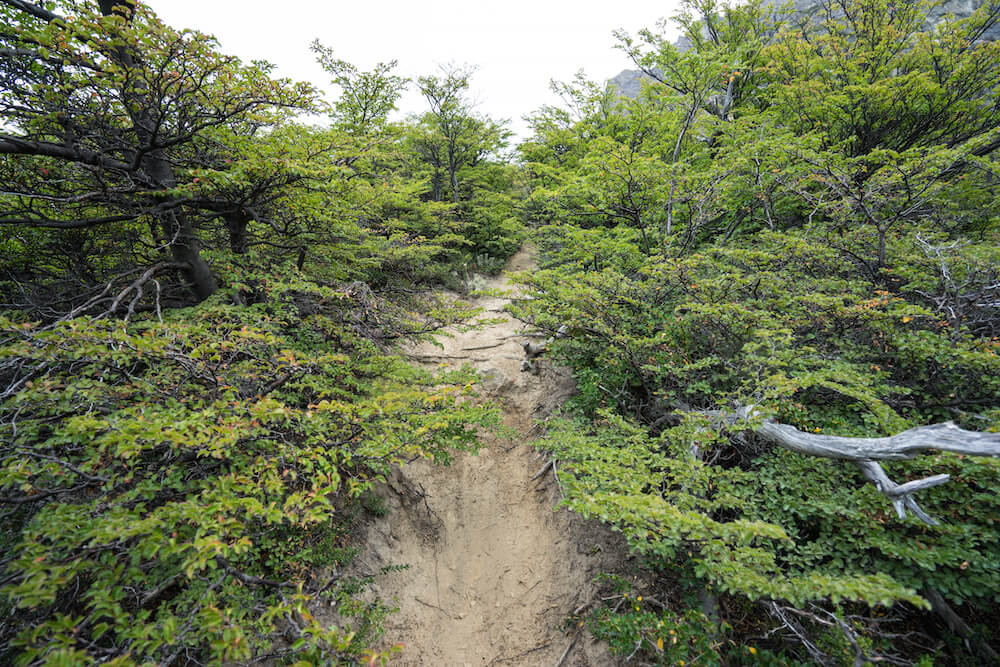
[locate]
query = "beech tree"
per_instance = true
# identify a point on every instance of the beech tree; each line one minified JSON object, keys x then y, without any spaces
{"x":465,"y":138}
{"x":366,"y":98}
{"x":108,"y":115}
{"x":197,"y":389}
{"x":833,"y":264}
{"x":716,"y":65}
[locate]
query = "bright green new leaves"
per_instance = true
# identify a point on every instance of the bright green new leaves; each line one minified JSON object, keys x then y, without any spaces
{"x":874,"y":77}
{"x":173,"y":483}
{"x":666,"y":504}
{"x":800,"y":218}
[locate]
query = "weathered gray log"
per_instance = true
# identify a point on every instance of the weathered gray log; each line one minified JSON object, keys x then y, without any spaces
{"x":945,"y":437}
{"x":901,"y":495}
{"x":865,"y":452}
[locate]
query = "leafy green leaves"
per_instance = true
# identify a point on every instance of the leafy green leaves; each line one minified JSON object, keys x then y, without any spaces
{"x":164,"y":470}
{"x":799,"y":218}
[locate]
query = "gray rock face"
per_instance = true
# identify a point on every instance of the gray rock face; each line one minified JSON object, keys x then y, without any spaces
{"x":628,"y":82}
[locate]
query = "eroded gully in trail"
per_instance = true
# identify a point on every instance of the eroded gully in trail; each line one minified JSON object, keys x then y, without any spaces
{"x":494,"y":571}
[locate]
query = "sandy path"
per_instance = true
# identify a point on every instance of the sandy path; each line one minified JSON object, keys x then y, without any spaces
{"x":494,"y":571}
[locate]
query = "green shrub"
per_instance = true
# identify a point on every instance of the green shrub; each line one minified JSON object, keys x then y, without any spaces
{"x":185,"y":486}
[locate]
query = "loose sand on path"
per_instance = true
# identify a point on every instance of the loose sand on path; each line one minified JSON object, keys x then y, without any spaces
{"x":494,"y":571}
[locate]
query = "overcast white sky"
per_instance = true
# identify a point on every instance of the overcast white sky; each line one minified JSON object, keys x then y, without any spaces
{"x":518,"y":45}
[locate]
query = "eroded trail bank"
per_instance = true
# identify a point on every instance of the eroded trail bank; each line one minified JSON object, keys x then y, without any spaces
{"x":493,"y":571}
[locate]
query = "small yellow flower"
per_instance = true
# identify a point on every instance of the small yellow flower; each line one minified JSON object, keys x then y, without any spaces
{"x":752,"y":650}
{"x":639,"y":598}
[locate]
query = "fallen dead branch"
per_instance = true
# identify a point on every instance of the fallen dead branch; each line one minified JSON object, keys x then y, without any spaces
{"x":483,"y":347}
{"x":497,"y":661}
{"x":545,"y":468}
{"x":866,"y":452}
{"x":572,"y":643}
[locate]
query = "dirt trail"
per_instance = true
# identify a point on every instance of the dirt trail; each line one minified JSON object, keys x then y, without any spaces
{"x":494,"y":571}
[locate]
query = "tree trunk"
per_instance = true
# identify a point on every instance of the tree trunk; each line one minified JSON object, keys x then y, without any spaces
{"x":180,"y":234}
{"x":186,"y":250}
{"x":957,"y":625}
{"x":436,"y":183}
{"x":453,"y":175}
{"x":236,"y":225}
{"x":184,"y":245}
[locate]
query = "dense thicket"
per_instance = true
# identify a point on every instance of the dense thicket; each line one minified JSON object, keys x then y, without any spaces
{"x":798,"y":215}
{"x":200,"y":296}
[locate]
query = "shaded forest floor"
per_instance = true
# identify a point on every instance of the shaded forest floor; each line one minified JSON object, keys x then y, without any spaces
{"x":494,"y":571}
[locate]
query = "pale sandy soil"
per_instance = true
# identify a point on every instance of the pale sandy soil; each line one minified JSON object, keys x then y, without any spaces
{"x":494,"y":570}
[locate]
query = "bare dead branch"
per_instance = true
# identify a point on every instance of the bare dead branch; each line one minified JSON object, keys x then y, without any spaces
{"x":946,"y":437}
{"x":866,"y":452}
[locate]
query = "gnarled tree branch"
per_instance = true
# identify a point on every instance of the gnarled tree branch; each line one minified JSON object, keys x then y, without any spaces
{"x":945,"y":437}
{"x":866,"y":452}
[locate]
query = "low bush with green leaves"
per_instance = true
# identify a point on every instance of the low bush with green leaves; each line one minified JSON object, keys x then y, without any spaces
{"x":185,"y":486}
{"x":795,"y":213}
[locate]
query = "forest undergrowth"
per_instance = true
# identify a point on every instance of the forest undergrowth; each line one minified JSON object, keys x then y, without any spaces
{"x":770,"y":273}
